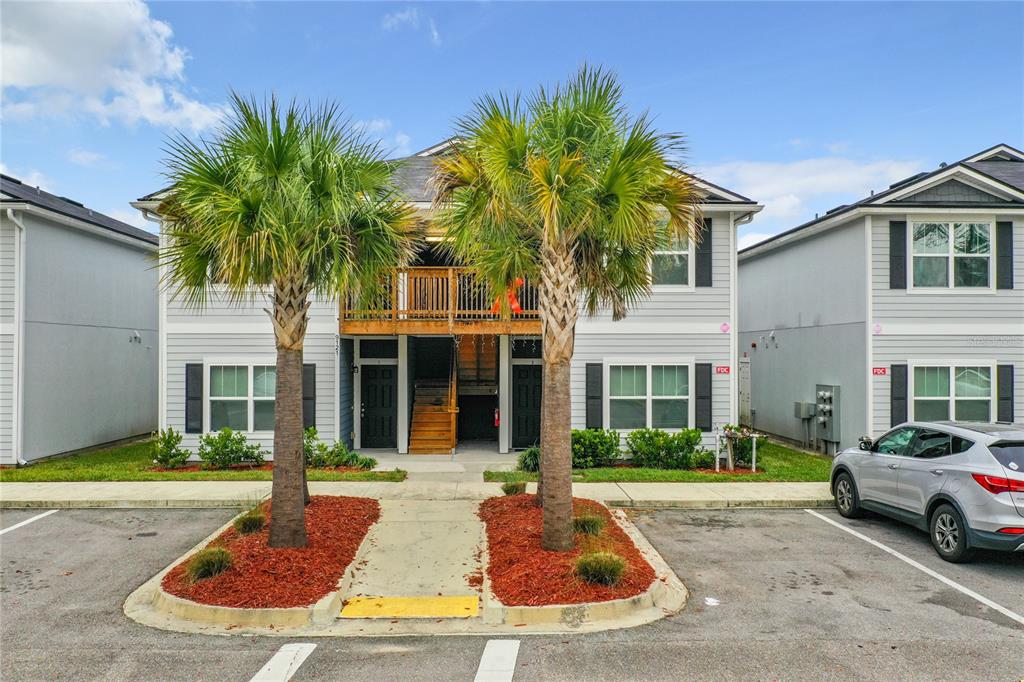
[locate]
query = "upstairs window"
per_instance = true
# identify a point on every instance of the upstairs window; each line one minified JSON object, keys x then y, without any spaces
{"x":952,"y":255}
{"x":671,"y":266}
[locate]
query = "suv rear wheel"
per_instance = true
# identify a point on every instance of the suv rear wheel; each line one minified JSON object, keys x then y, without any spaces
{"x":949,"y":534}
{"x":847,"y":500}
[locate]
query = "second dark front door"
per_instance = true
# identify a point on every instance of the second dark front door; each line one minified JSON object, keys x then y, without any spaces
{"x":526,"y":393}
{"x":379,"y":396}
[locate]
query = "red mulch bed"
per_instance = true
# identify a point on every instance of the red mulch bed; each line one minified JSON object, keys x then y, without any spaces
{"x":723,"y":470}
{"x":523,"y":574}
{"x":265,"y":577}
{"x":266,"y":466}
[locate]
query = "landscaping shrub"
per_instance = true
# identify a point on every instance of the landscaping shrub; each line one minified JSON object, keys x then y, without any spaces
{"x":594,"y":448}
{"x":226,"y":447}
{"x":662,"y":450}
{"x":319,"y":454}
{"x":207,"y":563}
{"x":167,"y":450}
{"x":743,"y":447}
{"x":602,"y":568}
{"x":513,"y":487}
{"x":250,"y":522}
{"x":588,"y":524}
{"x":529,"y":460}
{"x":703,"y":459}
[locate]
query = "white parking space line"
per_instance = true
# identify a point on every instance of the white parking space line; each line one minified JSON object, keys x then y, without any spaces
{"x":28,"y":521}
{"x":924,"y":569}
{"x":284,"y":663}
{"x":498,"y":662}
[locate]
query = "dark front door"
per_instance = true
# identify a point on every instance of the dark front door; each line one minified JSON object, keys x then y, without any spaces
{"x":526,"y":392}
{"x":379,"y":395}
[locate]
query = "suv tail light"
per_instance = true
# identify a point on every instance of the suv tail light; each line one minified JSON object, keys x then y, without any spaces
{"x":997,"y":484}
{"x":1011,"y":531}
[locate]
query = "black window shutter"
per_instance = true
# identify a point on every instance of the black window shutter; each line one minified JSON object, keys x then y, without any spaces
{"x":1004,"y":391}
{"x":703,"y":256}
{"x":595,"y":395}
{"x":702,"y":396}
{"x":898,"y":395}
{"x":194,"y":398}
{"x":308,"y":396}
{"x":898,"y":254}
{"x":1004,"y":255}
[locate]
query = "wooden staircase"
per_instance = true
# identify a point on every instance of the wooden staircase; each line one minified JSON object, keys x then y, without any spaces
{"x":478,"y":360}
{"x":433,"y":422}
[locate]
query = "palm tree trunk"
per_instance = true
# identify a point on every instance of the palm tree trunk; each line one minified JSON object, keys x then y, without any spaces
{"x":559,"y":308}
{"x":288,"y":491}
{"x":538,"y":500}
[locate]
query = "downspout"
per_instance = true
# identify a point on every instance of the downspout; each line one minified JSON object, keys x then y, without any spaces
{"x":19,"y":336}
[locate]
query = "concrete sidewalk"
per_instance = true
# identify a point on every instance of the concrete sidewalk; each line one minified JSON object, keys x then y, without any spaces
{"x":212,"y":494}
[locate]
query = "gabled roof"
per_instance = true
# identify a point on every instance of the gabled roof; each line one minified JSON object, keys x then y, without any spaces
{"x":15,"y":192}
{"x":997,"y":172}
{"x":413,"y":178}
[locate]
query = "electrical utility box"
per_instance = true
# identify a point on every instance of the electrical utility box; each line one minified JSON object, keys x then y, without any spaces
{"x":802,"y":410}
{"x":827,"y":418}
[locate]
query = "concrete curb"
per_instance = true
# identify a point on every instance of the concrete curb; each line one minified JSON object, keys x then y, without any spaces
{"x":666,"y":595}
{"x":122,"y":504}
{"x":815,"y":503}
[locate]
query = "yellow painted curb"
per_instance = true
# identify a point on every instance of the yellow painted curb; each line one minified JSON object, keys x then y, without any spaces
{"x":411,"y":607}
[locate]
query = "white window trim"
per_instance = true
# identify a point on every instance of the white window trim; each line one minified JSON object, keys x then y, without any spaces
{"x":608,"y":363}
{"x":691,"y":270}
{"x":950,"y":288}
{"x":951,"y":399}
{"x":249,"y":361}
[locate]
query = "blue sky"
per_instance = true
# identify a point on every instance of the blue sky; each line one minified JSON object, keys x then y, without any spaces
{"x":800,"y":106}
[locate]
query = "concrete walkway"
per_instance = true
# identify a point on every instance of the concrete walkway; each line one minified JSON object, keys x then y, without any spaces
{"x":209,"y":494}
{"x":416,"y":562}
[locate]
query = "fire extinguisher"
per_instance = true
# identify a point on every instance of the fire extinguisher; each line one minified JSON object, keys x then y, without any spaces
{"x":497,"y":417}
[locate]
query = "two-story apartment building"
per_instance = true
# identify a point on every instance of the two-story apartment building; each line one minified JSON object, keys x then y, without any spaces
{"x":78,"y":326}
{"x":435,"y":364}
{"x":910,"y":301}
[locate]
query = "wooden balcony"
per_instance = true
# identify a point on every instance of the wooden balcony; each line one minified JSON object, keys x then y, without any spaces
{"x":430,"y":300}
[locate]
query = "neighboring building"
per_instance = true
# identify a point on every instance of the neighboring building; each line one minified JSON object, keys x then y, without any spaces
{"x":392,"y":377}
{"x":911,"y":301}
{"x":78,"y":326}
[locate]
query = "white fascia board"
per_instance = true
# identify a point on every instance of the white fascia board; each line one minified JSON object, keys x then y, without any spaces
{"x":962,"y":173}
{"x":994,"y":151}
{"x":83,"y":226}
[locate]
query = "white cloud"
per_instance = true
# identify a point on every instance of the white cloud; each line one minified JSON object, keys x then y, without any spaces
{"x":793,"y":191}
{"x":84,"y":157}
{"x":411,"y":18}
{"x":373,"y":126}
{"x":111,"y":60}
{"x":30,"y":177}
{"x":393,"y":144}
{"x":750,"y":239}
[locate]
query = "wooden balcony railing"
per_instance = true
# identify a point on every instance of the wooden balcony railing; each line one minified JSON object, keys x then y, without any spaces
{"x":452,"y":300}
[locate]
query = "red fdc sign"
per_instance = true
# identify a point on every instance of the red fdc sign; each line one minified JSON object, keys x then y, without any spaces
{"x":722,"y":369}
{"x":879,"y":371}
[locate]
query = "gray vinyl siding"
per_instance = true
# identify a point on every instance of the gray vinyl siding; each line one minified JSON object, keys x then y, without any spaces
{"x":346,"y":393}
{"x":86,"y":382}
{"x":218,"y":309}
{"x":955,"y":305}
{"x":183,"y":349}
{"x":702,"y":304}
{"x":703,"y":348}
{"x":812,"y":295}
{"x":890,"y":350}
{"x":8,"y":244}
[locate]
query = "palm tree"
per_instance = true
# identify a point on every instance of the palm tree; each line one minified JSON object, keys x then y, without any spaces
{"x":284,"y":205}
{"x":568,"y":188}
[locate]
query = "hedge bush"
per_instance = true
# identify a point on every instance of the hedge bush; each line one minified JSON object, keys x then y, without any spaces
{"x":703,"y":459}
{"x":226,"y":448}
{"x":594,"y":448}
{"x":167,"y":450}
{"x":602,"y":568}
{"x":662,"y":450}
{"x":319,"y":454}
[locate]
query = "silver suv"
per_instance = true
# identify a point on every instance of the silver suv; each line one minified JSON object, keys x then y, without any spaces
{"x":962,"y":482}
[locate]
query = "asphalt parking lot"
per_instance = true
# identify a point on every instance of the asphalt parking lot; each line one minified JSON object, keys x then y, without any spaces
{"x":775,"y":594}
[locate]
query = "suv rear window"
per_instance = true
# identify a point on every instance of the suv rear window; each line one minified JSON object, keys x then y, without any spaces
{"x":1010,"y":455}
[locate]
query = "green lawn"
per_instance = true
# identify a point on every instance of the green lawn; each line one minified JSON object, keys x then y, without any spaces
{"x":779,"y":462}
{"x":132,"y":463}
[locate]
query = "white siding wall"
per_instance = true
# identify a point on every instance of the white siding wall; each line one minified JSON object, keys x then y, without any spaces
{"x":7,"y":285}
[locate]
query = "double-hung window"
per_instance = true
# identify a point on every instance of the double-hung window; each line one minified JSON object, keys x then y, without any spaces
{"x":960,"y":392}
{"x":670,"y":266}
{"x":952,"y":255}
{"x":242,"y":397}
{"x":648,"y":395}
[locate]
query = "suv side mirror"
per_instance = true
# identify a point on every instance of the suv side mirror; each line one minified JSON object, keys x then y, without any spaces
{"x":865,"y":443}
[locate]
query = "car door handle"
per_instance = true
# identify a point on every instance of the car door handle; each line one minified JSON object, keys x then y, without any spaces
{"x":894,"y":467}
{"x":936,"y":472}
